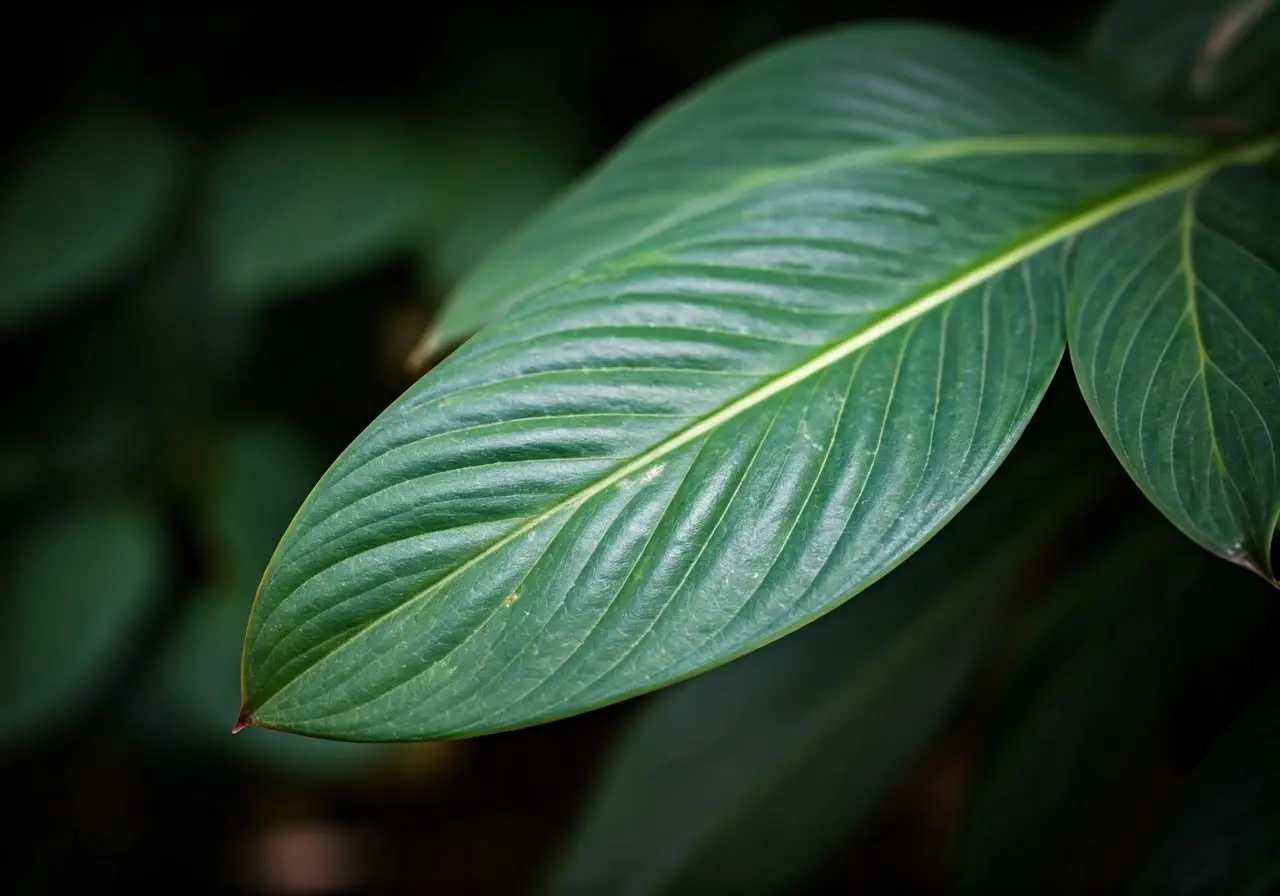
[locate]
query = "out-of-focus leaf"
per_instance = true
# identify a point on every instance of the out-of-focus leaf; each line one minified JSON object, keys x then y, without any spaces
{"x":1195,"y":57}
{"x":301,"y":200}
{"x":79,"y":586}
{"x":745,"y":778}
{"x":1073,"y":736}
{"x":257,"y":475}
{"x":82,"y":207}
{"x":1174,"y":322}
{"x":195,"y":680}
{"x":743,"y":371}
{"x":490,"y":178}
{"x":1226,"y":837}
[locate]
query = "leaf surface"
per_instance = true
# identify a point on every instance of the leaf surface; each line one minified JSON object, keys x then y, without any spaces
{"x":746,"y":368}
{"x":1174,"y":326}
{"x":748,"y":776}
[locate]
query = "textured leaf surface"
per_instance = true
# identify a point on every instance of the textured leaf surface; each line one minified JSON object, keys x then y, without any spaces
{"x":80,"y":585}
{"x":1071,"y":753}
{"x":745,"y":778}
{"x":1217,"y":58}
{"x":81,"y":208}
{"x":756,"y":360}
{"x":1175,"y":338}
{"x":298,"y":201}
{"x":1226,"y":837}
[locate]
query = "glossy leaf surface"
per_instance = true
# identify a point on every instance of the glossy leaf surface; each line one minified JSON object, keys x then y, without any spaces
{"x":758,"y":358}
{"x":748,"y":776}
{"x":81,"y":207}
{"x":79,"y":587}
{"x":1175,"y":338}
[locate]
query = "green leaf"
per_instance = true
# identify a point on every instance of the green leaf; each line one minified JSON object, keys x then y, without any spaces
{"x":1060,"y":798}
{"x":745,"y":778}
{"x":81,"y":584}
{"x":257,"y":475}
{"x":1174,"y":325}
{"x":301,"y":200}
{"x":194,"y":681}
{"x":81,"y":208}
{"x":1218,"y":59}
{"x":745,"y":369}
{"x":1226,"y":837}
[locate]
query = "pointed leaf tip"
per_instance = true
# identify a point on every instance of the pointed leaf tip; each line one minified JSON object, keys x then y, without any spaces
{"x":244,"y":720}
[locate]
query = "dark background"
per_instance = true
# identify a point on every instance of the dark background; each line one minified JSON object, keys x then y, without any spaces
{"x":102,"y":803}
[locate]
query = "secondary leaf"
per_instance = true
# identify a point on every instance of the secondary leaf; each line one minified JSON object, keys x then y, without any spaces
{"x":1213,"y":58}
{"x":81,"y":208}
{"x":1073,"y":741}
{"x":490,"y":178}
{"x":745,"y":778}
{"x":1226,"y":838}
{"x":1174,"y":324}
{"x":300,"y":200}
{"x":80,"y":585}
{"x":758,"y":358}
{"x":257,"y":475}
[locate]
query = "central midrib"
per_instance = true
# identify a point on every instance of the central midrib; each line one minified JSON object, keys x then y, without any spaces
{"x":1146,"y":191}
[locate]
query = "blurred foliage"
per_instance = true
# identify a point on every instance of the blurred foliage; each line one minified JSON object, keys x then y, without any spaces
{"x":219,"y":241}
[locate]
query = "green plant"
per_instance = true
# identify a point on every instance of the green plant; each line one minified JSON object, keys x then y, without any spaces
{"x":760,"y":356}
{"x":755,"y":360}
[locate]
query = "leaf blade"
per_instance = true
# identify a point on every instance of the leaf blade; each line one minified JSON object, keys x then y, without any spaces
{"x":636,"y":473}
{"x":1184,"y":379}
{"x":750,"y":775}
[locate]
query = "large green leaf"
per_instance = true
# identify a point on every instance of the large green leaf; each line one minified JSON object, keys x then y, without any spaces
{"x":742,"y":779}
{"x":82,"y":206}
{"x":1218,"y":59}
{"x":1226,"y":838}
{"x":758,"y":358}
{"x":80,"y":585}
{"x":1174,"y":324}
{"x":300,"y":200}
{"x":1060,"y":798}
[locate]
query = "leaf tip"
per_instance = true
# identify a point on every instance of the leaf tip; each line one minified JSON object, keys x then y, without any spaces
{"x":244,"y":720}
{"x":425,"y":348}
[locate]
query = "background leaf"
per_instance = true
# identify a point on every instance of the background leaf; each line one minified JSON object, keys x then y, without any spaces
{"x":491,"y":177}
{"x":1174,"y":324}
{"x":195,"y":680}
{"x":1226,"y":838}
{"x":81,"y":207}
{"x":301,"y":199}
{"x":257,"y":475}
{"x":80,"y":586}
{"x":746,"y":777}
{"x":748,"y":367}
{"x":1218,"y":59}
{"x":1061,"y":798}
